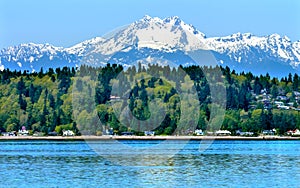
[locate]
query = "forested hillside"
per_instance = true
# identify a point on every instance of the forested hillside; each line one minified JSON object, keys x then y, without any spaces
{"x":82,"y":100}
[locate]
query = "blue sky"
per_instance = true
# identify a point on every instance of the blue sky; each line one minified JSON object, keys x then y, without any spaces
{"x":67,"y":22}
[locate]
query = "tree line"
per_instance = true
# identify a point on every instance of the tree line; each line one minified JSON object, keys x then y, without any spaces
{"x":86,"y":100}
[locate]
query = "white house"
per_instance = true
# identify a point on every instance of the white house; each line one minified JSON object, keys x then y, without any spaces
{"x":269,"y":132}
{"x":199,"y":132}
{"x":296,"y":133}
{"x":222,"y":133}
{"x":68,"y":133}
{"x":241,"y":133}
{"x":149,"y":133}
{"x":284,"y":107}
{"x":23,"y":131}
{"x":279,"y":103}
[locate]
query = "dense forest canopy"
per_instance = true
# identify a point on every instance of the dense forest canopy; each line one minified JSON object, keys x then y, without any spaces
{"x":110,"y":99}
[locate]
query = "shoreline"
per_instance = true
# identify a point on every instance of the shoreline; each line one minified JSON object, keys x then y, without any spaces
{"x":91,"y":138}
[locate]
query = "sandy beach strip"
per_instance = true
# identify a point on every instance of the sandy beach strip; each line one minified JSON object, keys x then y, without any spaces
{"x":82,"y":138}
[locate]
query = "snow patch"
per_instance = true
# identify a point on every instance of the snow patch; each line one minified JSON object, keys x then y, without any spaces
{"x":31,"y":59}
{"x":239,"y":59}
{"x":155,"y":45}
{"x":19,"y":64}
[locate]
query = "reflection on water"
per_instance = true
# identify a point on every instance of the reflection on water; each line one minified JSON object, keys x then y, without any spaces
{"x":223,"y":164}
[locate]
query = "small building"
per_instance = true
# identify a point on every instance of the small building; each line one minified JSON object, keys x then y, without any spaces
{"x":4,"y":133}
{"x":293,"y":133}
{"x":297,"y":94}
{"x":296,"y":132}
{"x":222,"y":133}
{"x":241,"y":133}
{"x":289,"y":132}
{"x":114,"y":98}
{"x":279,"y":103}
{"x":199,"y":132}
{"x":284,"y":107}
{"x":149,"y":133}
{"x":109,"y":131}
{"x":23,"y":132}
{"x":68,"y":133}
{"x":269,"y":132}
{"x":127,"y":133}
{"x":263,"y":91}
{"x":52,"y":133}
{"x":282,"y":98}
{"x":13,"y":133}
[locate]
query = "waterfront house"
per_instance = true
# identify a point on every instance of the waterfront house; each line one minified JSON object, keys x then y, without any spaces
{"x":5,"y":134}
{"x":293,"y":132}
{"x":240,"y":133}
{"x":52,"y":133}
{"x":149,"y":133}
{"x":127,"y":133}
{"x":289,"y":132}
{"x":109,"y":131}
{"x":23,"y":132}
{"x":13,"y":133}
{"x":296,"y":132}
{"x":269,"y":132}
{"x":222,"y":133}
{"x":68,"y":133}
{"x":199,"y":132}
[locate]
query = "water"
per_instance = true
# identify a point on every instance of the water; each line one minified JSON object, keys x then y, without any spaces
{"x":223,"y":164}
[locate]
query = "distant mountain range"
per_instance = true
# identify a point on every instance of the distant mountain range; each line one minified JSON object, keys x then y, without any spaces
{"x":163,"y":41}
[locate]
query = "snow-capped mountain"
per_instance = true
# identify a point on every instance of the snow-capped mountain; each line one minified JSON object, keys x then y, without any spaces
{"x":247,"y":52}
{"x":163,"y":41}
{"x":33,"y":57}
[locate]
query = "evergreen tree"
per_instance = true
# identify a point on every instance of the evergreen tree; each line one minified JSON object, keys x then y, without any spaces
{"x":296,"y":83}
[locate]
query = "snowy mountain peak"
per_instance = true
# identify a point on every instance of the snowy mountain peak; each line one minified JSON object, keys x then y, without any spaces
{"x":146,"y":18}
{"x":148,"y":32}
{"x":25,"y":50}
{"x":153,"y":36}
{"x":80,"y":48}
{"x":174,"y":20}
{"x":241,"y":36}
{"x":277,"y":37}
